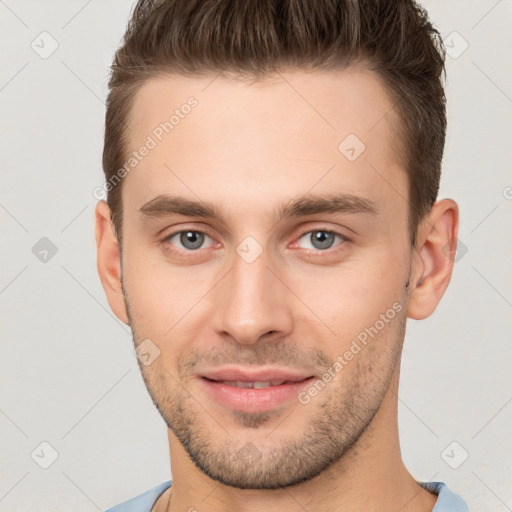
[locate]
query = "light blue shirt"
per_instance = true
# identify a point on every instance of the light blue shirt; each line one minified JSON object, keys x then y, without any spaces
{"x":447,"y":501}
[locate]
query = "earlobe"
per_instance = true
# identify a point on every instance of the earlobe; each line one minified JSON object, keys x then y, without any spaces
{"x":433,"y":258}
{"x":109,"y":261}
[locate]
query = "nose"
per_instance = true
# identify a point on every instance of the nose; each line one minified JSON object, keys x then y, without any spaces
{"x":253,"y":302}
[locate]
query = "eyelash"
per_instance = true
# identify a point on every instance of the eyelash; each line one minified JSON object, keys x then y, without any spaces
{"x":343,"y":238}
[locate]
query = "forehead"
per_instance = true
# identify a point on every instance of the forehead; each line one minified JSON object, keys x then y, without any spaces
{"x":215,"y":137}
{"x":327,"y":103}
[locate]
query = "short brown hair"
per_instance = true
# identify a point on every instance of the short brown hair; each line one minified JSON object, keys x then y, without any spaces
{"x":394,"y":38}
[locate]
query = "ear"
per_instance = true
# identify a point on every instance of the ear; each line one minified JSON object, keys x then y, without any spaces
{"x":433,"y":258}
{"x":109,"y":261}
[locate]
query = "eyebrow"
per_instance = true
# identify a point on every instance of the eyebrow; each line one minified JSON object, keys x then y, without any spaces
{"x":164,"y":205}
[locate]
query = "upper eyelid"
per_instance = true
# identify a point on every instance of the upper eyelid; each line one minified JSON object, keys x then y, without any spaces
{"x":332,"y":231}
{"x":184,"y":230}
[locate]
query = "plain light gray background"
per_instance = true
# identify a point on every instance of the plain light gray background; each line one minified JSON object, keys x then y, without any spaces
{"x":68,"y":372}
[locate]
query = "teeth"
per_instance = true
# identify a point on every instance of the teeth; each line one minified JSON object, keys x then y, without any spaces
{"x":260,"y":385}
{"x":252,"y":385}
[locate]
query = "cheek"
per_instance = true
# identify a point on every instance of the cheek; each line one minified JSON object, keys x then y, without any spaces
{"x":165,"y":301}
{"x":351,"y":296}
{"x":150,"y":281}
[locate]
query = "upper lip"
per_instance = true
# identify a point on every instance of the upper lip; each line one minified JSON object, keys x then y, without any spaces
{"x":255,"y":375}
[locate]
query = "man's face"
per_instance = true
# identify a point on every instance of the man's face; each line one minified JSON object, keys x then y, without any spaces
{"x":252,"y":290}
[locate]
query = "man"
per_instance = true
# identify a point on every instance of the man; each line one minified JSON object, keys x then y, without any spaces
{"x":272,"y":170}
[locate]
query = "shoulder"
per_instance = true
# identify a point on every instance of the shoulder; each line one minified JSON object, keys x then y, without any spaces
{"x":143,"y":502}
{"x":447,"y":500}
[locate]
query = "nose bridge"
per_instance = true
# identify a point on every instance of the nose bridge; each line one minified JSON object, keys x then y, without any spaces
{"x":253,"y":301}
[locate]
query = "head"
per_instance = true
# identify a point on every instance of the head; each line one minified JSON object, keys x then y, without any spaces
{"x":286,"y":217}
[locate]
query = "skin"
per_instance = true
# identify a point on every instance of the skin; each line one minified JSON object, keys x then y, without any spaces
{"x":249,"y":149}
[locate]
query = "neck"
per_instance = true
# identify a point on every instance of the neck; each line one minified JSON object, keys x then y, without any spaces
{"x":370,"y":476}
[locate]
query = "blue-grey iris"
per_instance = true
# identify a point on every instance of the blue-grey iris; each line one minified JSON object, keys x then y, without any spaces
{"x":194,"y":238}
{"x":324,"y":239}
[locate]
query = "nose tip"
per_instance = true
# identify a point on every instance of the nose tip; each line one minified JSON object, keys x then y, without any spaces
{"x":252,"y":304}
{"x":250,"y":331}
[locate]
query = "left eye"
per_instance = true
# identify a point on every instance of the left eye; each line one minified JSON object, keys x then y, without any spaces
{"x":189,"y":239}
{"x":320,"y":239}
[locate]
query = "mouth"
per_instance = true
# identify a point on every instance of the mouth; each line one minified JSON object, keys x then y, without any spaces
{"x":251,"y":395}
{"x":256,"y":384}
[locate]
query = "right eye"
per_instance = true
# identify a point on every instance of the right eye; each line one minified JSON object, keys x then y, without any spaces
{"x":190,"y":239}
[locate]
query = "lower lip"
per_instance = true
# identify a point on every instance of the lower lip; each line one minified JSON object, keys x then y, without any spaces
{"x":254,"y":400}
